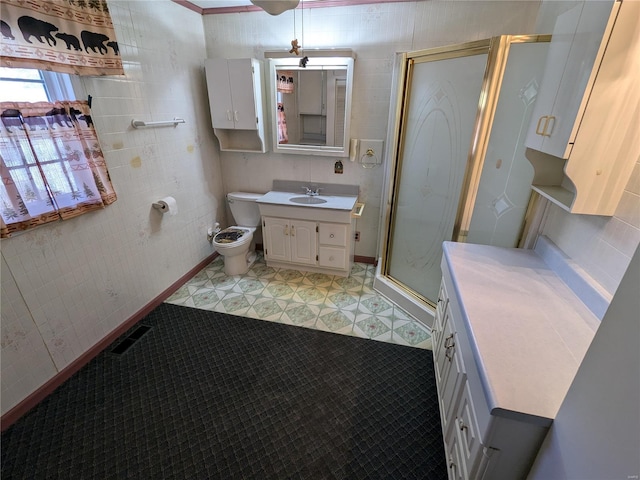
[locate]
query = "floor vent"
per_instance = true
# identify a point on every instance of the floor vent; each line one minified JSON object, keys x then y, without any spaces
{"x":126,"y":343}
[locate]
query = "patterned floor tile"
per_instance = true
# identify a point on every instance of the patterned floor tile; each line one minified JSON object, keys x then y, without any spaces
{"x":267,"y":309}
{"x":376,"y":304}
{"x":345,"y":305}
{"x":370,"y":326}
{"x":300,"y":314}
{"x":310,"y":295}
{"x":337,"y":321}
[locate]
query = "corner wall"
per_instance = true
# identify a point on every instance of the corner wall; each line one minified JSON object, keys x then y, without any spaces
{"x":66,"y":285}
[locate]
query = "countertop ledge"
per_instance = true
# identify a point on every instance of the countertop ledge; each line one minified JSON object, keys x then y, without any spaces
{"x":333,"y":202}
{"x":528,"y":331}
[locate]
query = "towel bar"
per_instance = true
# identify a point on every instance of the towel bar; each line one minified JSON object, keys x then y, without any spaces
{"x":164,"y":123}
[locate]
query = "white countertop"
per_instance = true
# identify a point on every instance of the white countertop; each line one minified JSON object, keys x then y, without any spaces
{"x":528,"y":330}
{"x":333,"y":202}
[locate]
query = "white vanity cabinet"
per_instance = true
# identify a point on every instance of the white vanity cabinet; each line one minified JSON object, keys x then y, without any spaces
{"x":583,"y":138}
{"x":289,"y":240}
{"x":236,"y":102}
{"x":503,"y":362}
{"x":316,"y":246}
{"x":310,"y":232}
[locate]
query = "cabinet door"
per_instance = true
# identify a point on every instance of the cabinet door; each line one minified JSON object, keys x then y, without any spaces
{"x":577,"y":46}
{"x":466,"y":428}
{"x":450,"y":372}
{"x":220,"y":103}
{"x":438,"y":323}
{"x":303,"y":242}
{"x":241,"y":79}
{"x":311,"y":92}
{"x":455,"y":462}
{"x":276,"y":239}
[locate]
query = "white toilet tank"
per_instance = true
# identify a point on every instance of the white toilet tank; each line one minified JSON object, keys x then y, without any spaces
{"x":244,"y":208}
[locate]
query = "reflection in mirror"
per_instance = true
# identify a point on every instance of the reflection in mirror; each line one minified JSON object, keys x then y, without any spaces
{"x":310,"y":107}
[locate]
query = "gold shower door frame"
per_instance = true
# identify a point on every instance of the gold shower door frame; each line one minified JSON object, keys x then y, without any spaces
{"x":497,"y":50}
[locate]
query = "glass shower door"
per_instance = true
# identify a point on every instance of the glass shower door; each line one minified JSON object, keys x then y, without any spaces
{"x":440,"y":114}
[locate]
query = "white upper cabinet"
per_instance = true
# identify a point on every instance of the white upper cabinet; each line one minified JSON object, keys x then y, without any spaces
{"x":577,"y":45}
{"x":236,"y":103}
{"x":583,"y":140}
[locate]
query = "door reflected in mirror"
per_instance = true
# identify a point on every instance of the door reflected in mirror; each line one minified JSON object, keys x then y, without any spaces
{"x":311,"y":107}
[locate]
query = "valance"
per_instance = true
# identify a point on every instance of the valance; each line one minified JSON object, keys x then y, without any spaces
{"x":51,"y":164}
{"x":68,"y":36}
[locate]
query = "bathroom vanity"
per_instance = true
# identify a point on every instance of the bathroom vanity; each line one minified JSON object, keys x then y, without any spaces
{"x":508,"y":337}
{"x":310,"y":231}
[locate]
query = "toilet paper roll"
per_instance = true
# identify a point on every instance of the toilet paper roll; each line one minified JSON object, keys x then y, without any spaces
{"x":167,"y":205}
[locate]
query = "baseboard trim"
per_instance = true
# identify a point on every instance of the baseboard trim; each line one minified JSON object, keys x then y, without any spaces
{"x":63,"y":375}
{"x":361,"y":259}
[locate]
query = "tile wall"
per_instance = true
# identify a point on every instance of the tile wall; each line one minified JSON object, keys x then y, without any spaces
{"x":67,"y":285}
{"x":375,"y":33}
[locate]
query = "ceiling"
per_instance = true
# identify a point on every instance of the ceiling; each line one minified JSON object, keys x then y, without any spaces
{"x":206,"y":7}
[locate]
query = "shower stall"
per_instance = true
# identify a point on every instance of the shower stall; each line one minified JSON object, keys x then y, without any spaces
{"x":458,"y":170}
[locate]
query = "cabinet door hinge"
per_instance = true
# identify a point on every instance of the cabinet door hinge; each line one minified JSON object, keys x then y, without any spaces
{"x":317,"y":229}
{"x":317,"y":258}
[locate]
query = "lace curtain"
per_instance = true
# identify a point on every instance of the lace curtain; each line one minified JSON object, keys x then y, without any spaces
{"x":51,"y":164}
{"x":68,"y":36}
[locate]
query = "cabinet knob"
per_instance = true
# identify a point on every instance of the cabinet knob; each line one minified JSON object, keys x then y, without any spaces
{"x":331,"y":236}
{"x":235,"y":115}
{"x":229,"y":115}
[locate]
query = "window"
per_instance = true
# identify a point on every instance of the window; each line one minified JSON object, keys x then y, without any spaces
{"x":30,"y":85}
{"x":51,"y":163}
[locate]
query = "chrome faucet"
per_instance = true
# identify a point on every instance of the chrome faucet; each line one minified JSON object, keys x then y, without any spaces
{"x":312,"y":192}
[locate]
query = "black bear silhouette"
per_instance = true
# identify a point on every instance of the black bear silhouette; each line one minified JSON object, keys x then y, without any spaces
{"x":58,"y":116}
{"x":70,"y":40}
{"x":114,"y":46}
{"x":32,"y":27}
{"x":86,"y":119}
{"x":93,"y":40}
{"x":34,"y":122}
{"x":11,"y":118}
{"x":6,"y":30}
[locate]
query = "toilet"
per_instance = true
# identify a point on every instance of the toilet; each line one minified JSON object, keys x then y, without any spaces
{"x":236,"y":243}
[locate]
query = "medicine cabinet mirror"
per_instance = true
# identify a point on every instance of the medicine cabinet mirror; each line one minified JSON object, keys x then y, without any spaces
{"x":310,"y":107}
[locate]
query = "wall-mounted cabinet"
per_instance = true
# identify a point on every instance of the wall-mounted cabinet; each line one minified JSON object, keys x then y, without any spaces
{"x":583,"y":140}
{"x":236,"y":103}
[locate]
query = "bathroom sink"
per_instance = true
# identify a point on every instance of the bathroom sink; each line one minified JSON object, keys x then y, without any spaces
{"x":308,"y":200}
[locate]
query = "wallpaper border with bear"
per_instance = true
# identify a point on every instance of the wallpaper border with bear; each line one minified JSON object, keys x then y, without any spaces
{"x":67,"y":36}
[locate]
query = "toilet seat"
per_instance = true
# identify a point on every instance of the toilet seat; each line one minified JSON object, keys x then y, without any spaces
{"x":233,"y":236}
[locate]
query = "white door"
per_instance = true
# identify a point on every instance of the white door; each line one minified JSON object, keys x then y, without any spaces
{"x":276,"y":239}
{"x":303,"y":242}
{"x":220,"y":103}
{"x":242,"y":87}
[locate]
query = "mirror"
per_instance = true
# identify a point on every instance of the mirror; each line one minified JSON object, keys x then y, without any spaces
{"x":311,"y":106}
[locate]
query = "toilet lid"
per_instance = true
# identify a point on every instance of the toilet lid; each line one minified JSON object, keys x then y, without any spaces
{"x":230,"y":235}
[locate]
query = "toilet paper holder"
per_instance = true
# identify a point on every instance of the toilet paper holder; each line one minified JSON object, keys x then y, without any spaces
{"x":160,"y":206}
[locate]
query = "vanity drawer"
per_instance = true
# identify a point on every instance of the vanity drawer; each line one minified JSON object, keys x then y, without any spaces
{"x":332,"y":257}
{"x":332,"y":234}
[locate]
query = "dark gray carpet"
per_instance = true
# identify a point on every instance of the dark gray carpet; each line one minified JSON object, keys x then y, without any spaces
{"x":204,"y":395}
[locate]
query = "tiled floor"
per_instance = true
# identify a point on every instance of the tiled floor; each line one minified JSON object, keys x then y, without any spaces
{"x":345,"y":305}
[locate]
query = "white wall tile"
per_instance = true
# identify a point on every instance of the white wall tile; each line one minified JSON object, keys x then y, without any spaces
{"x":67,"y":285}
{"x":375,"y":33}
